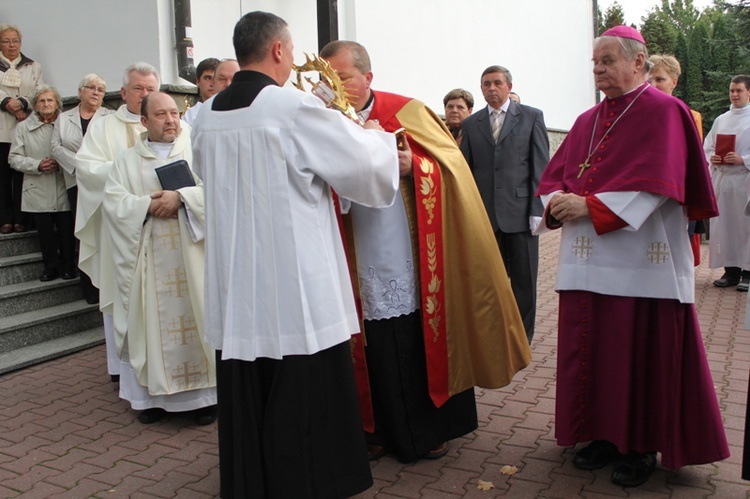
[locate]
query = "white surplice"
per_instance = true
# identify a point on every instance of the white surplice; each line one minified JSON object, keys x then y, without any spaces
{"x":158,"y":306}
{"x":729,"y":245}
{"x":277,"y":281}
{"x":191,"y":114}
{"x":651,"y":257}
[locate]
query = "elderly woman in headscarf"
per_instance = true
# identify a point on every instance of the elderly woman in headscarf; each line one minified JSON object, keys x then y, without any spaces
{"x":19,"y":78}
{"x":44,"y":192}
{"x":70,"y":127}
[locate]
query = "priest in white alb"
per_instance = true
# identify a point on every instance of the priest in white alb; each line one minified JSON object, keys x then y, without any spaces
{"x":279,"y":304}
{"x":105,"y":139}
{"x":727,"y":148}
{"x":157,"y":250}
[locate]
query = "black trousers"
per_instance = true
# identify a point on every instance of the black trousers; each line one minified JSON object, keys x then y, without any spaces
{"x":291,"y":428}
{"x":89,"y":290}
{"x":56,"y":240}
{"x":520,"y":252}
{"x":11,"y":182}
{"x":737,"y":272}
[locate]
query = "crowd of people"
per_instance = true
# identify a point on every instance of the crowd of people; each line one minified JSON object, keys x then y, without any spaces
{"x":333,"y":292}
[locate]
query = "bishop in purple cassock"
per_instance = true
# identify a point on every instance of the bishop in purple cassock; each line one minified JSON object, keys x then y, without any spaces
{"x":632,"y":371}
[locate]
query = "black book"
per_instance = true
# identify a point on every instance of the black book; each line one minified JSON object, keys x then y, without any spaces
{"x":175,"y":176}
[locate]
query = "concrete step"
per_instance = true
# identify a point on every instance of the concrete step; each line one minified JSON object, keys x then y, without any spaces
{"x":20,"y":268}
{"x":29,"y":328}
{"x":33,"y":295}
{"x":52,"y":349}
{"x":19,"y":244}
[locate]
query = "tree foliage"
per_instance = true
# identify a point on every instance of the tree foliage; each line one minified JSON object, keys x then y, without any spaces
{"x":684,"y":15}
{"x":613,"y":16}
{"x":696,"y":57}
{"x":681,"y":53}
{"x":660,"y":34}
{"x":711,"y":45}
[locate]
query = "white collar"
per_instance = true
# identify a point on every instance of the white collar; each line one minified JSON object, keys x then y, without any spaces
{"x":162,"y":149}
{"x":131,"y":116}
{"x":503,"y":108}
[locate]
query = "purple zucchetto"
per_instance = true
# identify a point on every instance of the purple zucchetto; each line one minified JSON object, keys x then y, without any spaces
{"x":625,"y":32}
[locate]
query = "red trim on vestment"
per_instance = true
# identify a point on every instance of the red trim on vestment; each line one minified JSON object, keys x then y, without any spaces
{"x":429,"y":208}
{"x":695,"y":245}
{"x":428,"y":185}
{"x":603,"y":218}
{"x":356,"y":342}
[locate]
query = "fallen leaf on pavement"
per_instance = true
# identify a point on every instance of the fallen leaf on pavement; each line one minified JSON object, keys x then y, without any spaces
{"x":508,"y":470}
{"x":482,"y":485}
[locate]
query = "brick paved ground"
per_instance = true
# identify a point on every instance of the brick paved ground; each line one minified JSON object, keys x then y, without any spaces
{"x":65,"y":433}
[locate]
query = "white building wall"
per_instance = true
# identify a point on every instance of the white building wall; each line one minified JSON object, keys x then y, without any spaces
{"x":420,"y":49}
{"x":71,"y":38}
{"x":425,"y":49}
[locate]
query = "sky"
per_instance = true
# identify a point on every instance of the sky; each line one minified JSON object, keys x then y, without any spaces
{"x":635,"y":9}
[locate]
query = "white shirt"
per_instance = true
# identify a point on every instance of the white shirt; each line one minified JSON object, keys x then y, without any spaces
{"x":503,"y":111}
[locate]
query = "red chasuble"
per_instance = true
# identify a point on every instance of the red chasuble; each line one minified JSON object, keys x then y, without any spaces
{"x":473,"y":331}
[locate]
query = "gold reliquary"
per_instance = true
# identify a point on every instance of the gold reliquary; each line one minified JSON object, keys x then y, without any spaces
{"x":329,"y":88}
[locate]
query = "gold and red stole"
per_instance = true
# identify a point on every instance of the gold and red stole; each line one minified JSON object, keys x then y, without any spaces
{"x":473,"y":331}
{"x":357,"y":340}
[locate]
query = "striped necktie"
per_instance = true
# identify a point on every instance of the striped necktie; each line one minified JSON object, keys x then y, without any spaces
{"x":496,"y":124}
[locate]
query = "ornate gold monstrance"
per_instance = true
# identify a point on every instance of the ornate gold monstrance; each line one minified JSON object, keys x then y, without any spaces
{"x":330,"y":89}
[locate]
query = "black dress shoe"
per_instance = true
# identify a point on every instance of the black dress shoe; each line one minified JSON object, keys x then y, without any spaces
{"x":726,"y":281}
{"x":634,"y":470}
{"x":205,"y":415}
{"x":68,"y":275}
{"x":596,"y":455}
{"x":150,"y":416}
{"x":375,"y":452}
{"x":437,"y":452}
{"x":92,"y":299}
{"x":48,"y":275}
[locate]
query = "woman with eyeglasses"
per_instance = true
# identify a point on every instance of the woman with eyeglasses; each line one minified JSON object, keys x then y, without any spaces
{"x":19,"y":79}
{"x":70,"y":127}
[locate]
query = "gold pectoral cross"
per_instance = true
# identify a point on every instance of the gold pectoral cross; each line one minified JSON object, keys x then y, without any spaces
{"x":583,"y":167}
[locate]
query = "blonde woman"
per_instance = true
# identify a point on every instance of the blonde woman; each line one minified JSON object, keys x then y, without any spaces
{"x":663,"y":75}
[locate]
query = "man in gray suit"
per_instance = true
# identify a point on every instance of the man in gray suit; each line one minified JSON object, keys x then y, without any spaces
{"x":507,"y":148}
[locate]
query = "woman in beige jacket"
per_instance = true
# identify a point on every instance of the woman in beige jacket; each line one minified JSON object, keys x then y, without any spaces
{"x":44,"y":192}
{"x":70,"y":127}
{"x":19,"y":78}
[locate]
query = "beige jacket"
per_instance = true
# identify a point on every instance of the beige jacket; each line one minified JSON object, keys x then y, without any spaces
{"x":67,"y":138}
{"x":42,"y":192}
{"x":31,"y":78}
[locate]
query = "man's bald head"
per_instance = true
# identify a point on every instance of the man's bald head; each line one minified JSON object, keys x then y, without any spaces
{"x":160,"y":116}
